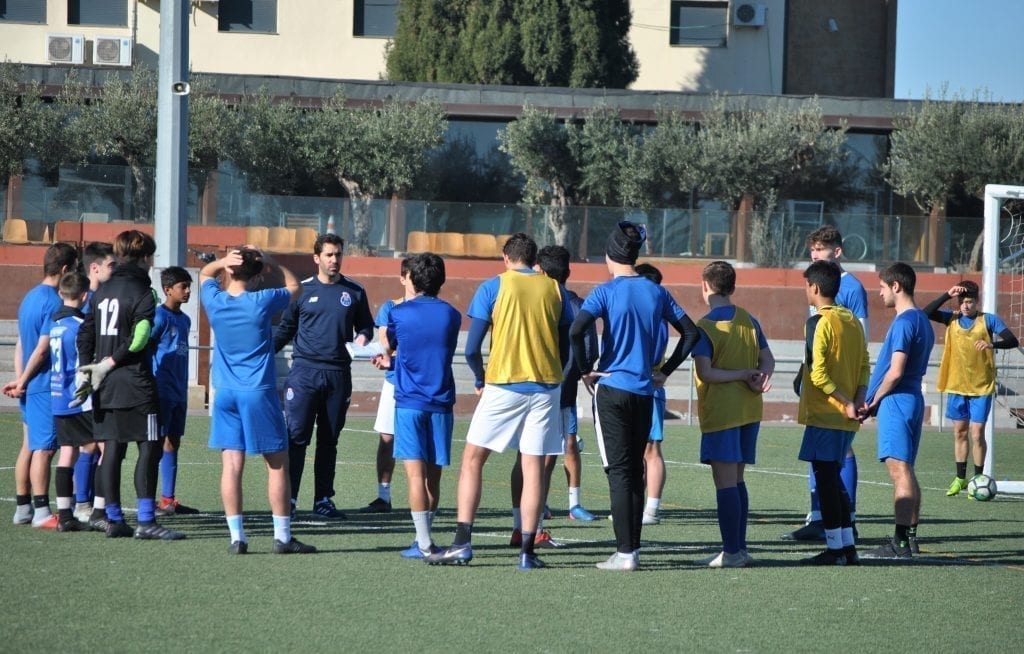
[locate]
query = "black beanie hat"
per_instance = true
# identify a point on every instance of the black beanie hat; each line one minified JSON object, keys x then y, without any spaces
{"x":624,"y":247}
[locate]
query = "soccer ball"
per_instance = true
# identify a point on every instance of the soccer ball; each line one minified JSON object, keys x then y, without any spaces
{"x":981,"y":488}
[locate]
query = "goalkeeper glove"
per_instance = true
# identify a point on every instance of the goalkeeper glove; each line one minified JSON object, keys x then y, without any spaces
{"x":97,"y":371}
{"x":83,"y":388}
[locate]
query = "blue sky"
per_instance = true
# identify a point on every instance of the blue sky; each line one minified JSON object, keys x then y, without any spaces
{"x":974,"y":45}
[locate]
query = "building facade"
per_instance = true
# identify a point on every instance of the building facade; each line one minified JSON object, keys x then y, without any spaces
{"x":824,"y":47}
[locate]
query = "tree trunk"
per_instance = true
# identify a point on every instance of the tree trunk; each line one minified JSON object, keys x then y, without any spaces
{"x":742,"y":236}
{"x":557,"y":216}
{"x":937,"y":234}
{"x":360,"y":203}
{"x":140,"y":198}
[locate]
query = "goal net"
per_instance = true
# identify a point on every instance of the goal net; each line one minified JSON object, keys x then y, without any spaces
{"x":1003,"y":270}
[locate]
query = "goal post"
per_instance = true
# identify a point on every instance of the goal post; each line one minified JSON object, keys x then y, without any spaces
{"x":1003,"y":256}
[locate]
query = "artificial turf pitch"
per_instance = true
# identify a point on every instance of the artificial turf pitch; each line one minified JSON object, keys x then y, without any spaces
{"x":83,"y":592}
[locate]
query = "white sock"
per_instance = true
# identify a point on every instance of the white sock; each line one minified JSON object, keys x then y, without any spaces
{"x":517,"y":521}
{"x":574,"y":496}
{"x":652,"y":505}
{"x":40,"y":513}
{"x":235,"y":527}
{"x":421,"y":521}
{"x":847,"y":536}
{"x":283,"y":528}
{"x":99,"y":503}
{"x":814,"y":516}
{"x":834,"y":539}
{"x":63,"y":502}
{"x":384,"y":491}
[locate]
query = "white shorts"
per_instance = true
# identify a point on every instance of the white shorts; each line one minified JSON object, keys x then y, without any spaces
{"x":530,"y":421}
{"x":385,"y":423}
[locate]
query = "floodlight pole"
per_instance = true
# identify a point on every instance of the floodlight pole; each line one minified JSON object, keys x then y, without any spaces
{"x":172,"y":135}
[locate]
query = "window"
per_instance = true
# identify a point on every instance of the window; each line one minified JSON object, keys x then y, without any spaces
{"x":375,"y":17}
{"x":693,"y":22}
{"x":23,"y":11}
{"x":247,"y":16}
{"x":98,"y":12}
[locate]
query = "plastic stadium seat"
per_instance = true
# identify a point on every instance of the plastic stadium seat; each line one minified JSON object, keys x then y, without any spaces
{"x":15,"y":230}
{"x":257,"y":235}
{"x":305,"y":238}
{"x":281,"y":239}
{"x":484,"y":246}
{"x":451,"y":244}
{"x":417,"y":242}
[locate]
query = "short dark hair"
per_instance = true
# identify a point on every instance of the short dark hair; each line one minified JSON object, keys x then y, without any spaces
{"x":58,"y":257}
{"x":826,"y":235}
{"x":554,"y":261}
{"x":333,"y":239}
{"x":72,"y":285}
{"x":826,"y":275}
{"x":132,"y":246}
{"x":971,"y":289}
{"x":426,"y":271}
{"x":171,"y":275}
{"x":902,"y":273}
{"x":649,"y":271}
{"x":96,"y":252}
{"x":406,"y":266}
{"x":252,"y":264}
{"x":521,"y":248}
{"x":720,"y":277}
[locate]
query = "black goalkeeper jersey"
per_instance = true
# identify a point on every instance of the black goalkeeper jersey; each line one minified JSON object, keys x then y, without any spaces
{"x":115,"y":310}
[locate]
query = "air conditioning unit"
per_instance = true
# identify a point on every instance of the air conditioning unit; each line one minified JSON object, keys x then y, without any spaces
{"x":748,"y":14}
{"x":112,"y":51}
{"x":65,"y":48}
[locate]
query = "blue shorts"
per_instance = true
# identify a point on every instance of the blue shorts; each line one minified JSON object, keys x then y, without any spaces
{"x":37,"y":413}
{"x":658,"y":418}
{"x":570,"y":422}
{"x":823,"y":444}
{"x":423,"y":436}
{"x":900,"y":418}
{"x":172,"y":418}
{"x":249,"y":421}
{"x":975,"y":408}
{"x":735,"y":445}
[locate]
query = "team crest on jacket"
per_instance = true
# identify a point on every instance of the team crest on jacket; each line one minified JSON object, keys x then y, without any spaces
{"x":346,"y":299}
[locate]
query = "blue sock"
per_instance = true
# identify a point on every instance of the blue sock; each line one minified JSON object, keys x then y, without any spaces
{"x":168,"y":472}
{"x":729,"y":518}
{"x":83,"y":477}
{"x":812,"y":484}
{"x":744,"y":511}
{"x":147,"y":509}
{"x":848,"y":473}
{"x":114,"y":513}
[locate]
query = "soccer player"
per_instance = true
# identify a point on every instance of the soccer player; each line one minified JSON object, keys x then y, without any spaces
{"x":385,"y":422}
{"x":99,"y":263}
{"x":553,"y":261}
{"x":170,"y":367}
{"x":834,"y":378}
{"x":115,"y":362}
{"x":733,"y":368}
{"x":331,"y":310}
{"x":968,"y":372}
{"x":826,"y":244}
{"x":39,"y":441}
{"x":423,"y":333}
{"x":632,"y":309}
{"x":528,"y":317}
{"x":654,"y":460}
{"x":894,"y":395}
{"x":246,"y":415}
